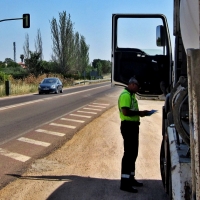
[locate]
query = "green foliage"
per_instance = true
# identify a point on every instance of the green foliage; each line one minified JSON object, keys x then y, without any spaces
{"x":89,"y":68}
{"x":8,"y":60}
{"x":34,"y":64}
{"x":2,"y":64}
{"x":47,"y":67}
{"x":22,"y":58}
{"x":3,"y":76}
{"x":84,"y":53}
{"x":13,"y":65}
{"x":9,"y":67}
{"x":74,"y":76}
{"x":70,"y":51}
{"x":103,"y":65}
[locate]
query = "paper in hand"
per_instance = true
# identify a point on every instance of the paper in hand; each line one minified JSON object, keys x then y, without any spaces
{"x":151,"y":112}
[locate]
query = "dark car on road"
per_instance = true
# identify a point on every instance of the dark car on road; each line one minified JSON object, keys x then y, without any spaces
{"x":50,"y":85}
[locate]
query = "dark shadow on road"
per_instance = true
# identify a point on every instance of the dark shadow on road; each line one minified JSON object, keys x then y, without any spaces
{"x":45,"y":178}
{"x":86,"y":188}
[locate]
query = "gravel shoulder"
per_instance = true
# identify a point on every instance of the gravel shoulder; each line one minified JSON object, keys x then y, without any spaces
{"x":88,"y":166}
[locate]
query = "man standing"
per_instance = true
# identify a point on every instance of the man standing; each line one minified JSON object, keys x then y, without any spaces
{"x":130,"y":121}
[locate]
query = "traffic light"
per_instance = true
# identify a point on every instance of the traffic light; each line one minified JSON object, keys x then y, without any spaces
{"x":26,"y":20}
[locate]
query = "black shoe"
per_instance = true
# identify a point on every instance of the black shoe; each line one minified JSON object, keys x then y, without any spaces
{"x":136,"y":183}
{"x":126,"y":185}
{"x":129,"y":189}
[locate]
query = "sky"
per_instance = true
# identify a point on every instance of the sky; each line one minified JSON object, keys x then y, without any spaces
{"x":91,"y":18}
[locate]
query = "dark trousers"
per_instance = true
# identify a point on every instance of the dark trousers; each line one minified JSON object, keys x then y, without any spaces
{"x":130,"y":134}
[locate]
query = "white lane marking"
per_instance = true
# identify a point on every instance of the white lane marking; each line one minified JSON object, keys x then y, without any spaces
{"x":92,"y":109}
{"x":86,"y":112}
{"x":36,"y":142}
{"x":96,"y":106}
{"x":103,"y":104}
{"x":81,"y":115}
{"x":50,"y":132}
{"x":85,"y":90}
{"x":63,"y":125}
{"x":13,"y":155}
{"x":20,"y":104}
{"x":48,"y":98}
{"x":72,"y":120}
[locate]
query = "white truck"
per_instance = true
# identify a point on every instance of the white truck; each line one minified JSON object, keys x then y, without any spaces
{"x":141,"y":47}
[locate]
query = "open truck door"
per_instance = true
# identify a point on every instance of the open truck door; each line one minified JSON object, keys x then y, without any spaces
{"x":141,"y":47}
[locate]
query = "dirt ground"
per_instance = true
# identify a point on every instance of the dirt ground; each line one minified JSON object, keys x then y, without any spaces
{"x":88,"y":166}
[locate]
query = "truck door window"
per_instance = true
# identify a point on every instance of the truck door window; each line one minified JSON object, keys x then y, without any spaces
{"x":139,"y":33}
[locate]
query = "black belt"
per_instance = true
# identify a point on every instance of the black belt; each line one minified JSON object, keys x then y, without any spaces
{"x":130,"y":122}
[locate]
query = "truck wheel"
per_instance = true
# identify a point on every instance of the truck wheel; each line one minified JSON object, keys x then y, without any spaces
{"x":170,"y":184}
{"x":180,"y":110}
{"x":165,"y":166}
{"x":162,"y":162}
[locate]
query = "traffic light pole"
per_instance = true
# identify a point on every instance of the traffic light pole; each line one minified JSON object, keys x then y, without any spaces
{"x":25,"y":18}
{"x":10,"y":19}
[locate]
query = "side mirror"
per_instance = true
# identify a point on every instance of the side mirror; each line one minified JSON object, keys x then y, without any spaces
{"x":26,"y":20}
{"x":160,"y":36}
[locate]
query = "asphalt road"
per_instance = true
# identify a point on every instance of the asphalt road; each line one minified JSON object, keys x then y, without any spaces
{"x":33,"y":126}
{"x":21,"y":114}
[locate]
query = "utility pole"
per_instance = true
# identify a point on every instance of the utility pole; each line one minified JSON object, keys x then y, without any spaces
{"x":14,"y":48}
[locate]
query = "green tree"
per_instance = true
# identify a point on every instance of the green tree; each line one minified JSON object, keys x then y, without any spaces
{"x":99,"y":68}
{"x":8,"y":60}
{"x":3,"y":76}
{"x":2,"y":64}
{"x":70,"y":51}
{"x":26,"y":47}
{"x":38,"y":44}
{"x":49,"y":67}
{"x":84,"y":54}
{"x":13,"y":68}
{"x":34,"y":63}
{"x":77,"y":60}
{"x":105,"y":65}
{"x":22,"y":58}
{"x":63,"y":41}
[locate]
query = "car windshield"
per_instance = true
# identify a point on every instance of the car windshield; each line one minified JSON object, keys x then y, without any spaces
{"x":49,"y":81}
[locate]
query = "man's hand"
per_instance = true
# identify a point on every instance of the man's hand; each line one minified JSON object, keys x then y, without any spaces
{"x":128,"y":112}
{"x":143,"y":113}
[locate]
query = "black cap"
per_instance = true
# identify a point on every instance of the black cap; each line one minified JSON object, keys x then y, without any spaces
{"x":133,"y":80}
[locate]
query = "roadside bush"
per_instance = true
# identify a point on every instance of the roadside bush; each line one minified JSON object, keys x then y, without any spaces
{"x":3,"y":77}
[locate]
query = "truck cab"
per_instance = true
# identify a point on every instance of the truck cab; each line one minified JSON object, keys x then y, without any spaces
{"x":141,"y":47}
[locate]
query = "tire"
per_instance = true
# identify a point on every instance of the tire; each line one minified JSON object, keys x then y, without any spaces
{"x":56,"y":92}
{"x":165,"y":167}
{"x":162,"y":162}
{"x":61,"y":91}
{"x":177,"y":117}
{"x":170,"y":185}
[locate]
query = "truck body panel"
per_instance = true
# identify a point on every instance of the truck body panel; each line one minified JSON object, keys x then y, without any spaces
{"x":189,"y":23}
{"x":180,"y":167}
